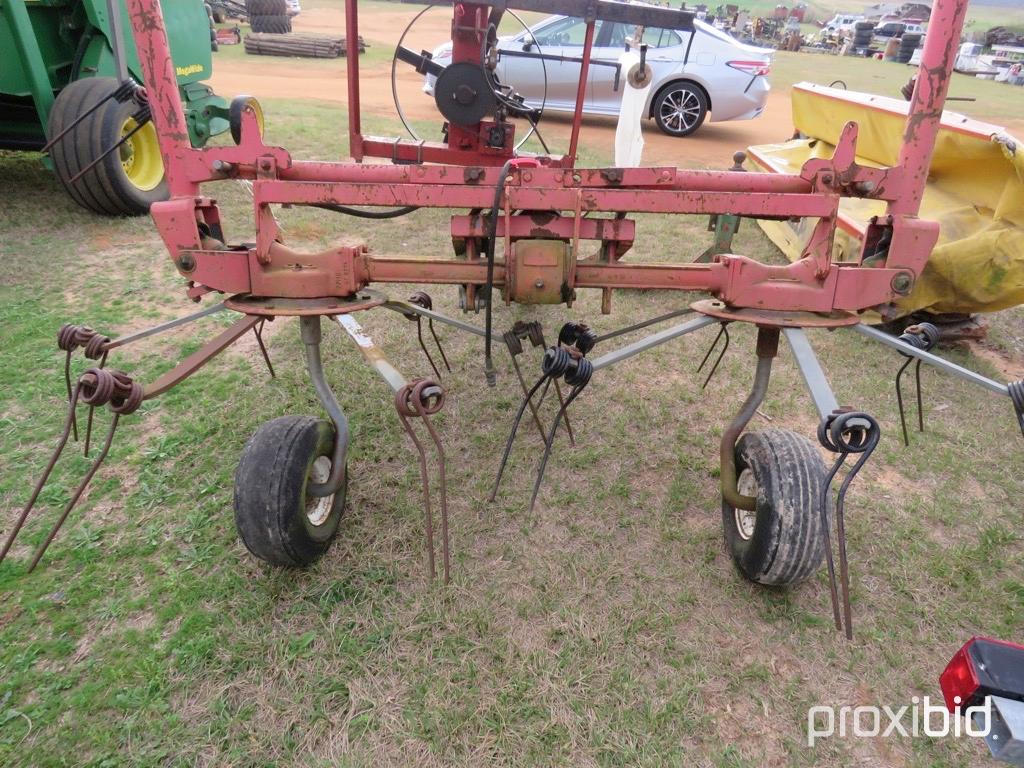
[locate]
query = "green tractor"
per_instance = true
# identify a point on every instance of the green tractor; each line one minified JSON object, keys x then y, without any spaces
{"x":61,"y":58}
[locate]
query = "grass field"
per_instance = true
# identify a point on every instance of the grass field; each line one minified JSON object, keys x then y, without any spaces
{"x":607,"y":628}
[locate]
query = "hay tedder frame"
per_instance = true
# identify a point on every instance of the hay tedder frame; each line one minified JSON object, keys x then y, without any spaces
{"x":530,"y":231}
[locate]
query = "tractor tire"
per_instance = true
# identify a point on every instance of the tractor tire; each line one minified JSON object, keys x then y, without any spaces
{"x":267,"y":8}
{"x":125,"y":182}
{"x":273,"y":25}
{"x":781,"y":543}
{"x":276,"y":519}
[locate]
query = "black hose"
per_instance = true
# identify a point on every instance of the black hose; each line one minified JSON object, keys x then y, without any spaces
{"x":492,"y":236}
{"x":392,"y":213}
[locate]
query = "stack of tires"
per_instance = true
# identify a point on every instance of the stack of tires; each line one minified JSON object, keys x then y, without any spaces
{"x":269,"y":16}
{"x":862,"y":34}
{"x":908,"y":44}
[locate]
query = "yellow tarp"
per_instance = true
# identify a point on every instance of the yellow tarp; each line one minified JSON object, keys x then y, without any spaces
{"x":975,"y":191}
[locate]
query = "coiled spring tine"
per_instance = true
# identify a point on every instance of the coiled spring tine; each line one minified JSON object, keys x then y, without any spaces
{"x":77,"y":495}
{"x":423,"y":346}
{"x":443,"y":482}
{"x":68,"y":425}
{"x":721,"y":355}
{"x":578,"y":380}
{"x":833,"y":584}
{"x":550,"y":441}
{"x":88,"y":421}
{"x":440,"y":347}
{"x":544,"y":379}
{"x":899,"y":399}
{"x":843,"y":432}
{"x":565,"y":413}
{"x":67,"y":381}
{"x":427,"y":514}
{"x":258,"y":331}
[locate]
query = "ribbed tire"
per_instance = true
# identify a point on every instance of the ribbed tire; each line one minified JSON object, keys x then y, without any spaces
{"x":275,"y":518}
{"x":267,"y":7}
{"x":106,"y":188}
{"x":274,"y":25}
{"x":908,"y":44}
{"x":785,"y":546}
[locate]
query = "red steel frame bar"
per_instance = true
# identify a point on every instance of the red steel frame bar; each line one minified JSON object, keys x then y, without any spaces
{"x":355,"y":131}
{"x":813,"y":283}
{"x":581,"y":91}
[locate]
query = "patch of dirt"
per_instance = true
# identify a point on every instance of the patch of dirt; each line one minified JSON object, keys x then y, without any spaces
{"x":1011,"y":367}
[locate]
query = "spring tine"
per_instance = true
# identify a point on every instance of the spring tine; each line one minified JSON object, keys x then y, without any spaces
{"x":78,"y":493}
{"x":419,"y":335}
{"x":444,"y":486}
{"x":106,"y":152}
{"x":920,"y":405}
{"x":565,"y":414}
{"x":707,"y":355}
{"x":88,"y":424}
{"x":88,"y":431}
{"x":526,"y":392}
{"x":899,"y":401}
{"x":718,"y":360}
{"x":827,"y":533}
{"x":550,"y":441}
{"x":840,"y":529}
{"x":444,"y":357}
{"x":512,"y":432}
{"x":67,"y":381}
{"x":428,"y":517}
{"x":258,"y":330}
{"x":68,"y":424}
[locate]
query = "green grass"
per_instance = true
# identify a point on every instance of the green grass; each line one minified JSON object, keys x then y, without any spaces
{"x":606,"y":628}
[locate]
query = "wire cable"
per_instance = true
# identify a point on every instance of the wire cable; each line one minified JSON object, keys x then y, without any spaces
{"x":391,"y":213}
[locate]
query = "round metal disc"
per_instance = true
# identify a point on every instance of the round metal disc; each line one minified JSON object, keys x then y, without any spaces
{"x":328,"y":305}
{"x":774,"y":318}
{"x":463,"y":95}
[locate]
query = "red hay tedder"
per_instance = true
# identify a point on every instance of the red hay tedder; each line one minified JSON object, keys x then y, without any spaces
{"x":523,"y":235}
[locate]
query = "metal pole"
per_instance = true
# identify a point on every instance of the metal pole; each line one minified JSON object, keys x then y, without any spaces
{"x":652,"y":341}
{"x":928,"y":357}
{"x":817,"y":384}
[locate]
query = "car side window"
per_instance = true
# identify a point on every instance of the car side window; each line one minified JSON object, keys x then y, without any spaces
{"x":655,"y":37}
{"x":567,"y":32}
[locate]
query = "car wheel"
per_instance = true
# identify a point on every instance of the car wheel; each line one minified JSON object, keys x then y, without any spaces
{"x":680,"y":109}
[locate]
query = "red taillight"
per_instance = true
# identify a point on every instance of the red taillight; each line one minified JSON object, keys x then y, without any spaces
{"x":752,"y":68}
{"x":983,"y":667}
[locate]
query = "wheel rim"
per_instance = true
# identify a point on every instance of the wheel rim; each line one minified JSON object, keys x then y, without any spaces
{"x":318,"y":508}
{"x":140,"y":156}
{"x":746,"y":519}
{"x":680,"y":110}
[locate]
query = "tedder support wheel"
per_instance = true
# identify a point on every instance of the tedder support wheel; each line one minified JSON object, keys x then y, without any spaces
{"x":781,"y":543}
{"x":275,"y":517}
{"x":129,"y":179}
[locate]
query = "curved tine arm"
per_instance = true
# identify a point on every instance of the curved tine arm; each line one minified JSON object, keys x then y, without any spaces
{"x":310,"y":328}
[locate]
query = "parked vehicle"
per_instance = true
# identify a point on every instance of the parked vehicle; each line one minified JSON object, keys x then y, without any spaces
{"x":842,"y":23}
{"x":890,"y":29}
{"x":57,"y":61}
{"x":694,"y":73}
